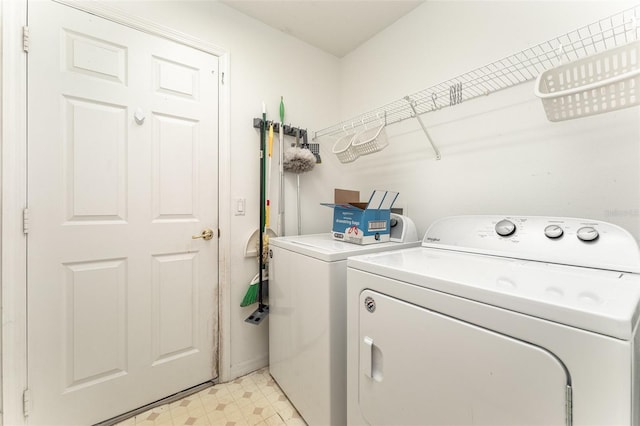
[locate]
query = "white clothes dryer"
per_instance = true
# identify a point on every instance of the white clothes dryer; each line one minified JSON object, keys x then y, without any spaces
{"x":307,"y":317}
{"x":497,"y":321}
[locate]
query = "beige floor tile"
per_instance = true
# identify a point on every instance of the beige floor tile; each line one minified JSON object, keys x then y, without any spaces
{"x":129,"y":422}
{"x":198,"y":412}
{"x":201,"y":421}
{"x":275,"y":420}
{"x":226,"y":398}
{"x":252,"y":400}
{"x":296,"y":422}
{"x":167,"y":422}
{"x":240,"y":422}
{"x":232,"y":387}
{"x":235,"y":417}
{"x":179,"y":412}
{"x":163,"y":418}
{"x":260,"y":377}
{"x":181,"y":420}
{"x":275,"y":396}
{"x":246,"y":397}
{"x":216,"y":417}
{"x":285,"y":409}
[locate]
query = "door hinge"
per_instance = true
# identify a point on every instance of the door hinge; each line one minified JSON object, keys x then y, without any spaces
{"x":569,"y":406}
{"x":25,"y":221}
{"x":25,"y":38}
{"x":26,"y":402}
{"x":222,"y":77}
{"x":218,"y":232}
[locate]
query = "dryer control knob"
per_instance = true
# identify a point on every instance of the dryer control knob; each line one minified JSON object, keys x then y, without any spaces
{"x":588,"y":233}
{"x":505,"y":227}
{"x":553,"y":231}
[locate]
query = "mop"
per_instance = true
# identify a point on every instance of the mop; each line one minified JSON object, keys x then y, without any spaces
{"x":298,"y":160}
{"x":281,"y":170}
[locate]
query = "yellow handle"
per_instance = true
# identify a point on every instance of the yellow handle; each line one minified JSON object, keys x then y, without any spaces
{"x":268,"y":204}
{"x":270,"y":139}
{"x":266,"y":215}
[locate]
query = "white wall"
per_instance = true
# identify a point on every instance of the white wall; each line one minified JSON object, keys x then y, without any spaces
{"x":500,"y":155}
{"x":264,"y":64}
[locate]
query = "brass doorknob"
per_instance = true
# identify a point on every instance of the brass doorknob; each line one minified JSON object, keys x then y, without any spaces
{"x":207,"y":234}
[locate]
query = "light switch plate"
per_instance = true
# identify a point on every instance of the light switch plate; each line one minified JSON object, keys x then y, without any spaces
{"x":239,"y":206}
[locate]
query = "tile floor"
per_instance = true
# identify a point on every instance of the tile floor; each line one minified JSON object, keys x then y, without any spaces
{"x":251,"y":400}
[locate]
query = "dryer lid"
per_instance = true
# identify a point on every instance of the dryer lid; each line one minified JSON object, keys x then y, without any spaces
{"x":605,"y":302}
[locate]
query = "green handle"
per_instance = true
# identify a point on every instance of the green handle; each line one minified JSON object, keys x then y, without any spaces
{"x":281,"y":110}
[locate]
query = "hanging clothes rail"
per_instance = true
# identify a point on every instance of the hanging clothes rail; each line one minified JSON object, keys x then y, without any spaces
{"x":615,"y":30}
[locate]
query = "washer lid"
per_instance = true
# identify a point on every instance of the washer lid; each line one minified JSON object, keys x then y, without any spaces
{"x":600,"y":301}
{"x":324,"y":247}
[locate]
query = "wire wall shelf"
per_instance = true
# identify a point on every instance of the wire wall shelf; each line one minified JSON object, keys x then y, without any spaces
{"x":614,"y":31}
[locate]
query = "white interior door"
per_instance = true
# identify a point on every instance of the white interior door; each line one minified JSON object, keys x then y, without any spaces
{"x":418,"y":367}
{"x":122,"y":171}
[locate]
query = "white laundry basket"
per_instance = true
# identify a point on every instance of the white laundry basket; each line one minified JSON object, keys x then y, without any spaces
{"x":371,"y":140}
{"x":343,"y":148}
{"x":599,"y":83}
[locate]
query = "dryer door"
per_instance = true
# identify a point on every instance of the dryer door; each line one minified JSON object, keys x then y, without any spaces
{"x":419,"y":367}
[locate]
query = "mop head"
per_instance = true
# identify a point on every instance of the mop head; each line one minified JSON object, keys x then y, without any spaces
{"x":298,"y":160}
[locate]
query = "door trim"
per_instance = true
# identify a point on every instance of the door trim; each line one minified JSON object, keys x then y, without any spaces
{"x":13,"y":177}
{"x":13,"y":247}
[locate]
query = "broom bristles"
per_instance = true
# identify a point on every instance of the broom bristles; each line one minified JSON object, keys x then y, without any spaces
{"x":252,"y":295}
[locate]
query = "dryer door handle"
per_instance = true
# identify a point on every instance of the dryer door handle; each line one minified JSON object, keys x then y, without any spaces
{"x":366,"y":357}
{"x":371,"y":359}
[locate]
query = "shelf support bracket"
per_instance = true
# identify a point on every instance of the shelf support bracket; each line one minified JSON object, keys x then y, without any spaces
{"x":412,"y":104}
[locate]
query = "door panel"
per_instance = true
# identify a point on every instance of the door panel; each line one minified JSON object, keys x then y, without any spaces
{"x":95,"y":314}
{"x":175,"y":167}
{"x":418,"y":367}
{"x":96,"y":161}
{"x":122,"y":171}
{"x":174,"y":292}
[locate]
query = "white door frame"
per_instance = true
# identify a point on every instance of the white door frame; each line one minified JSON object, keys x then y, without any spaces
{"x":13,"y":190}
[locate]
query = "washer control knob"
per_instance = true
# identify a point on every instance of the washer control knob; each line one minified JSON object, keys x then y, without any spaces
{"x":505,"y":227}
{"x":588,"y":233}
{"x":553,"y":231}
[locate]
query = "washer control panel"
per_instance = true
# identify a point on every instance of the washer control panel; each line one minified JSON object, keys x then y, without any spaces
{"x":569,"y":241}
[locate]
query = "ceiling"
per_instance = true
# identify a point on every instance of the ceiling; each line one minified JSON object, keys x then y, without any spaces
{"x":337,"y":27}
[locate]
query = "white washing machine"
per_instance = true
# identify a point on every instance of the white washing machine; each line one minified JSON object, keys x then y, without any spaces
{"x":497,"y":321}
{"x":307,"y":318}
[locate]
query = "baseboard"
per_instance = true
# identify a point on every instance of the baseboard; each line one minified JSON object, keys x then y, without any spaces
{"x":247,"y":367}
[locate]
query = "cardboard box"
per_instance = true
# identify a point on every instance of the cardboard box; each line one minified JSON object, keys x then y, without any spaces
{"x":361,"y":223}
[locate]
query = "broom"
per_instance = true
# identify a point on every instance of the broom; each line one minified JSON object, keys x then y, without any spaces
{"x":263,"y":310}
{"x":251,"y":296}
